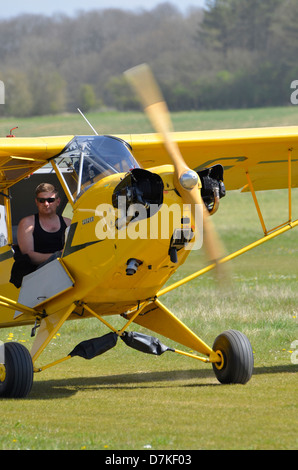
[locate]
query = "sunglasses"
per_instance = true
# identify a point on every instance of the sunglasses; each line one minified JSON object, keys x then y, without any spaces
{"x":42,"y":200}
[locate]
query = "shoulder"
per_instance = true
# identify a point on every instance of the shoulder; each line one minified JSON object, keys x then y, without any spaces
{"x":27,"y":222}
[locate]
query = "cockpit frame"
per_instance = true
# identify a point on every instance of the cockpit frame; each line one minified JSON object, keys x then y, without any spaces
{"x":87,"y":159}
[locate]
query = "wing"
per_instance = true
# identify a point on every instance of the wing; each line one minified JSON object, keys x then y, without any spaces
{"x":19,"y":157}
{"x":263,"y":152}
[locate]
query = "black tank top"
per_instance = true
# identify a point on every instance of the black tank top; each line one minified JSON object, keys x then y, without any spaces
{"x":48,"y":242}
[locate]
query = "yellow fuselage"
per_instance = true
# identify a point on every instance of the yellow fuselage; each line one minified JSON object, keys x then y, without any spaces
{"x":98,"y":263}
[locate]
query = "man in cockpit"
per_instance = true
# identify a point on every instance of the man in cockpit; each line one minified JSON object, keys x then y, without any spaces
{"x":41,"y":236}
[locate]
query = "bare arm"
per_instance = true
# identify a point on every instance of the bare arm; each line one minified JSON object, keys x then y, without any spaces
{"x":26,"y":242}
{"x":67,"y":221}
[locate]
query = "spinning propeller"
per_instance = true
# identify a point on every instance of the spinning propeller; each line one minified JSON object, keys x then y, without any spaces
{"x":186,"y":180}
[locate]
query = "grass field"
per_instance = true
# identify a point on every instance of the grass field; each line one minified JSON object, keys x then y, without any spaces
{"x":126,"y":400}
{"x":113,"y":122}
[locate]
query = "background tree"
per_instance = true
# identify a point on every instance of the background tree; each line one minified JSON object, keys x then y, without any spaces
{"x":87,"y":99}
{"x":234,"y":53}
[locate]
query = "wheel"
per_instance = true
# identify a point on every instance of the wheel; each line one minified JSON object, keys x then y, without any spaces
{"x":237,"y":358}
{"x":16,"y":375}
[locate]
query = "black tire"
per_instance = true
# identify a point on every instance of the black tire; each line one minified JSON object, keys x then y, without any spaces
{"x":237,"y":354}
{"x":18,"y":372}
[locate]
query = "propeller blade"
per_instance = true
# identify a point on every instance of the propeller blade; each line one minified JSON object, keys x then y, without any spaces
{"x":143,"y":82}
{"x":186,"y":180}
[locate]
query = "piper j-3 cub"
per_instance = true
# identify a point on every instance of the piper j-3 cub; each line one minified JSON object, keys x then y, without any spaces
{"x":119,"y":187}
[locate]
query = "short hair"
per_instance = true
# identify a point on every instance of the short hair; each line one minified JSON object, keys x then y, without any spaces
{"x":46,"y":187}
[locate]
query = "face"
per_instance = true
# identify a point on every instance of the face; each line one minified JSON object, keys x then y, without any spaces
{"x":47,"y":203}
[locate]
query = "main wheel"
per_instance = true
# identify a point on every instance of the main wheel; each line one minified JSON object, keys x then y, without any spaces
{"x":16,"y":376}
{"x":237,"y":358}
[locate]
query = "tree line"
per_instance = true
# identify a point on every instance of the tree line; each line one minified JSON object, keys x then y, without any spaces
{"x":231,"y":54}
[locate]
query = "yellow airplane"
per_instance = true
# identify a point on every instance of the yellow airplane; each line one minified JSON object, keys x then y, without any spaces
{"x":139,"y":208}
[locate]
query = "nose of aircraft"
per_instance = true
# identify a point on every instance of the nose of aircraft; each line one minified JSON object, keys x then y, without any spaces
{"x":143,"y":82}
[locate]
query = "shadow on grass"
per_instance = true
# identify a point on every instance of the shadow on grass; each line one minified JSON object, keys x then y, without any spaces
{"x":52,"y":389}
{"x":63,"y":388}
{"x":276,"y":369}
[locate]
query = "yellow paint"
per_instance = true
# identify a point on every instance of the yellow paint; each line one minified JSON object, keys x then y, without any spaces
{"x":158,"y":318}
{"x":262,"y":151}
{"x":253,"y":159}
{"x":2,"y":372}
{"x":48,"y":328}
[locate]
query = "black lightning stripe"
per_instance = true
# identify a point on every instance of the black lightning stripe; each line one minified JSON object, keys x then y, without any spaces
{"x":69,"y":248}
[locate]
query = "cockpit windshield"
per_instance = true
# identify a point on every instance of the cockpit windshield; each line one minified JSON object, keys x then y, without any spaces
{"x":90,"y":158}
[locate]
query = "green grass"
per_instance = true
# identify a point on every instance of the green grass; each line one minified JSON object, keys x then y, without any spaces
{"x":113,"y":122}
{"x":128,"y":400}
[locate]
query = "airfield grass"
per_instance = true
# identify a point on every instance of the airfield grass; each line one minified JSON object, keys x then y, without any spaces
{"x":126,"y":400}
{"x":114,"y":122}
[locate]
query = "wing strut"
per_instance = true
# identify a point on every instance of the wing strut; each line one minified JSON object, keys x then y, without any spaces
{"x":252,"y":190}
{"x":9,"y":303}
{"x":230,"y":257}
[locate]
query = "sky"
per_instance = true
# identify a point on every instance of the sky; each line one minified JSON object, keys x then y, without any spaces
{"x":70,"y":7}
